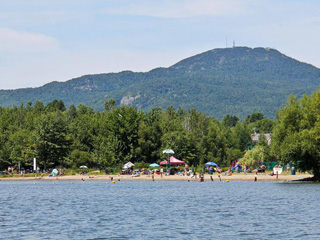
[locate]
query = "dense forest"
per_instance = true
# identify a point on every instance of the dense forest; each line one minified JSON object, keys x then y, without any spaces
{"x":236,"y":81}
{"x":69,"y":137}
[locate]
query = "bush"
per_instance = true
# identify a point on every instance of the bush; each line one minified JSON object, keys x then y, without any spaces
{"x":141,"y":165}
{"x":80,"y":158}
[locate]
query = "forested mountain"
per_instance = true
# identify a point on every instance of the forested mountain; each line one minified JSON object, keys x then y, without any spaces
{"x":236,"y":81}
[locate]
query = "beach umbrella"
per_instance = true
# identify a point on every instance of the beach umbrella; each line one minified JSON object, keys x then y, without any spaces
{"x":54,"y":172}
{"x":154,"y":165}
{"x":168,"y":151}
{"x":211,"y":164}
{"x":83,"y":166}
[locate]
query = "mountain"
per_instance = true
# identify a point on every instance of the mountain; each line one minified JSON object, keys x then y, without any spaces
{"x":236,"y":81}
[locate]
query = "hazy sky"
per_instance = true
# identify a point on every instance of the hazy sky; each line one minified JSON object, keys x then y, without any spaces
{"x":43,"y":41}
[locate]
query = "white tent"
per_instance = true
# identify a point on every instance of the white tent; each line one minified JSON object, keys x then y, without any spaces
{"x":128,"y":165}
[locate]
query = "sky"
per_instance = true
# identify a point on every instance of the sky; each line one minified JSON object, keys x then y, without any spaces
{"x":43,"y":41}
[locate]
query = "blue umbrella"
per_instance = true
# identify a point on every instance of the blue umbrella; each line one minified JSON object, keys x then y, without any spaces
{"x":211,"y":164}
{"x":154,"y":165}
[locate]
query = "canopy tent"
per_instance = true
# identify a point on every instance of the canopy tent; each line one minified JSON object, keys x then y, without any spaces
{"x":211,"y":164}
{"x":173,"y":161}
{"x":128,"y":165}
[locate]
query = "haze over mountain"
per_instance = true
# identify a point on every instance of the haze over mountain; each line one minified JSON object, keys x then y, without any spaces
{"x":236,"y":81}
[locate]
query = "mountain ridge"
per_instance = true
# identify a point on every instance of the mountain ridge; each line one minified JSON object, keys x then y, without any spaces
{"x":236,"y":81}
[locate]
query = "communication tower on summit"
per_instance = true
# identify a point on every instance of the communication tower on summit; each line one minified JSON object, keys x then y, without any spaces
{"x":234,"y":43}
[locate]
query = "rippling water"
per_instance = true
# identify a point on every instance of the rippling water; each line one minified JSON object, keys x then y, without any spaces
{"x":166,"y":210}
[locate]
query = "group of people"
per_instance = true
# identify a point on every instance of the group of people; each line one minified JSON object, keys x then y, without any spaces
{"x":22,"y":171}
{"x":186,"y":171}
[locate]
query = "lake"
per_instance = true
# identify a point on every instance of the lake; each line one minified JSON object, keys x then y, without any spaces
{"x":154,"y":210}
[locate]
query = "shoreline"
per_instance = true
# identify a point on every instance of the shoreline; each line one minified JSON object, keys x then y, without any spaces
{"x":234,"y":177}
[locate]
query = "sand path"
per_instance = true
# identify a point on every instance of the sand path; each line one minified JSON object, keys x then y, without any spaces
{"x":234,"y":177}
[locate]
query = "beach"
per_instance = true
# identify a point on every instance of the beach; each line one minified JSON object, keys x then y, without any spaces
{"x":234,"y":177}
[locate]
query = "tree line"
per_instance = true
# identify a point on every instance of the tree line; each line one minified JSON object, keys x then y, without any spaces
{"x":69,"y":137}
{"x":74,"y":136}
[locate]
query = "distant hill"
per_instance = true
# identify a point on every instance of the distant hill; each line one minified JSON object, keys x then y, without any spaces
{"x":236,"y":81}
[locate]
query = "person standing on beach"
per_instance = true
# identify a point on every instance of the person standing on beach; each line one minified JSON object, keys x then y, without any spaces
{"x":194,"y":174}
{"x":161,"y":171}
{"x":201,"y":177}
{"x":288,"y":167}
{"x":244,"y":169}
{"x":152,"y":175}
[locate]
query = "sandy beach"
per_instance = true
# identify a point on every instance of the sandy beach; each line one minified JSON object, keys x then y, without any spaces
{"x":234,"y":177}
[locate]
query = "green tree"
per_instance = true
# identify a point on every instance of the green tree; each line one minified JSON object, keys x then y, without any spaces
{"x":215,"y":144}
{"x":83,"y":132}
{"x":254,"y":117}
{"x":72,"y":113}
{"x":240,"y":136}
{"x":150,"y":133}
{"x":230,"y":121}
{"x":109,"y":105}
{"x":123,"y":128}
{"x":79,"y":158}
{"x":263,"y":125}
{"x":21,"y":147}
{"x":55,"y":105}
{"x":52,"y":144}
{"x":4,"y":151}
{"x":296,"y":133}
{"x":38,"y":106}
{"x":254,"y":156}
